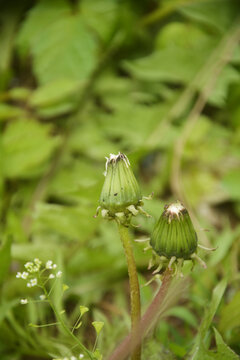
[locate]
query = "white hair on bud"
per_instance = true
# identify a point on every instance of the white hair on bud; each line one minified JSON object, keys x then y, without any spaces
{"x":175,"y":208}
{"x":114,"y":158}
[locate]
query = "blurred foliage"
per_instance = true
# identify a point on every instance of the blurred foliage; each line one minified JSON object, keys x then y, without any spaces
{"x":160,"y":81}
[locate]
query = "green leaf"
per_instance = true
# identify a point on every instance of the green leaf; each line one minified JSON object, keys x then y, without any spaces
{"x":223,"y":351}
{"x":62,"y":47}
{"x":219,"y":14}
{"x":77,"y":180}
{"x":143,"y":122}
{"x":183,"y":314}
{"x":78,"y":325}
{"x":5,"y":258}
{"x":74,"y":223}
{"x":9,"y":112}
{"x":56,"y":98}
{"x":53,"y":92}
{"x":223,"y":244}
{"x":198,"y":347}
{"x":226,"y":78}
{"x":98,"y":325}
{"x":42,"y":15}
{"x":100,"y":15}
{"x":26,"y":146}
{"x":5,"y":308}
{"x":230,"y":315}
{"x":181,"y":52}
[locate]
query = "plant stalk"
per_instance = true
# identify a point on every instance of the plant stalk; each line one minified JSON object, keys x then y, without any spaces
{"x":134,"y":292}
{"x":147,"y":321}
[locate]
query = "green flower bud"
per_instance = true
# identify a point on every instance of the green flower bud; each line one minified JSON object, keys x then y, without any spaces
{"x":121,"y":196}
{"x":174,"y":235}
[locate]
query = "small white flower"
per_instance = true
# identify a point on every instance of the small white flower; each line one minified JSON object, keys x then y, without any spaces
{"x":54,"y":266}
{"x":35,"y":269}
{"x":59,"y":274}
{"x":73,"y":358}
{"x":37,"y":261}
{"x":49,"y":264}
{"x":24,"y":301}
{"x":24,"y":275}
{"x":33,"y":282}
{"x":19,"y":275}
{"x":29,"y":285}
{"x":42,"y":297}
{"x":28,"y":264}
{"x":51,"y":276}
{"x":81,"y":356}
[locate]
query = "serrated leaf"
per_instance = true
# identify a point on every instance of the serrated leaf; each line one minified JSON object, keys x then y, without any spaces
{"x":42,"y":15}
{"x":226,"y":78}
{"x":66,"y":49}
{"x":63,"y":48}
{"x":61,"y":45}
{"x":53,"y":92}
{"x":100,"y":15}
{"x":172,"y":63}
{"x":218,"y":14}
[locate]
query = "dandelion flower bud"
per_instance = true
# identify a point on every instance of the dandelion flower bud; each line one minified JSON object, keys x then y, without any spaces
{"x":174,"y":239}
{"x":174,"y":234}
{"x":121,"y":196}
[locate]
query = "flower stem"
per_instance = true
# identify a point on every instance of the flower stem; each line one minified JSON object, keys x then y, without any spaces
{"x":134,"y":289}
{"x":147,"y":321}
{"x":65,"y":327}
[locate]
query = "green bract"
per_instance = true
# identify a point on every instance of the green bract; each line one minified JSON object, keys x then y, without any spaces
{"x":174,"y":234}
{"x":121,"y":196}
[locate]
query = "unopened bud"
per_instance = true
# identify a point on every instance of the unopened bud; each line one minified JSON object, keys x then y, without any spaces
{"x":121,"y":196}
{"x":174,"y":234}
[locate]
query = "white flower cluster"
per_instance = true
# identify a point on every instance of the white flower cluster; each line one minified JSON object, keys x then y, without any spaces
{"x":32,"y":282}
{"x":32,"y":267}
{"x":35,"y":272}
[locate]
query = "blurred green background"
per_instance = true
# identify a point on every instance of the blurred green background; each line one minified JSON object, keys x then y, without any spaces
{"x":160,"y":81}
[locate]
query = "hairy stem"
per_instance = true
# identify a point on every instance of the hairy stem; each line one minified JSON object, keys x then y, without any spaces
{"x":147,"y":321}
{"x":134,"y":291}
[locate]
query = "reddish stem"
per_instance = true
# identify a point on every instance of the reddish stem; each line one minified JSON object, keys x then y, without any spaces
{"x":148,"y":319}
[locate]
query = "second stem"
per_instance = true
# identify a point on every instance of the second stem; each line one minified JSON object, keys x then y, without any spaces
{"x":134,"y":288}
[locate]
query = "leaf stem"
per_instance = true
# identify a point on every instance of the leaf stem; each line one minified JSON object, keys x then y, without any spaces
{"x":134,"y":290}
